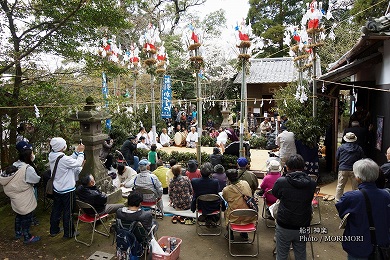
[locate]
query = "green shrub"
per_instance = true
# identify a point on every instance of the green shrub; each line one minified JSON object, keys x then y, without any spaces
{"x":207,"y":140}
{"x":257,"y":142}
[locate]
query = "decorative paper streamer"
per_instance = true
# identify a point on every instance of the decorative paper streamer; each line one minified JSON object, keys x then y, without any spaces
{"x":255,"y":101}
{"x":146,"y":109}
{"x":285,"y":103}
{"x":37,"y":115}
{"x":262,"y":103}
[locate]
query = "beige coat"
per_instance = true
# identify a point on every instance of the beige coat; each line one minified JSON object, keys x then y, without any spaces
{"x":22,"y":196}
{"x":233,"y":197}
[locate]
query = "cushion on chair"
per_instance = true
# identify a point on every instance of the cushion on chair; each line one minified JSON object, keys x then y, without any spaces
{"x":148,"y":203}
{"x":212,"y":213}
{"x":243,"y":228}
{"x":91,"y":219}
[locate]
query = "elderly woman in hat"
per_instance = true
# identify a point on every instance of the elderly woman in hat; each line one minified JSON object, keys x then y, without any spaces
{"x":18,"y":181}
{"x":269,"y":180}
{"x":347,"y":154}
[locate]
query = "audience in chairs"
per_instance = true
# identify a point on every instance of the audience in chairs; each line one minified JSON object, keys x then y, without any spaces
{"x":180,"y":190}
{"x":202,"y":186}
{"x":133,"y":211}
{"x":269,"y":181}
{"x":89,"y":193}
{"x":232,"y":194}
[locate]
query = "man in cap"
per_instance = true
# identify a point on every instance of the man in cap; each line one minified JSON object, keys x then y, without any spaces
{"x":64,"y":185}
{"x":347,"y":154}
{"x":245,"y":175}
{"x":145,"y":179}
{"x":128,"y":148}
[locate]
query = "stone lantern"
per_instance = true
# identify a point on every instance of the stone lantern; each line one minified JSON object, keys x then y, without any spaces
{"x":92,"y":137}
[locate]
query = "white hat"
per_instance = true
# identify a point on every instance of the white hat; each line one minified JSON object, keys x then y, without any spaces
{"x":57,"y":144}
{"x":274,"y":165}
{"x":350,"y":137}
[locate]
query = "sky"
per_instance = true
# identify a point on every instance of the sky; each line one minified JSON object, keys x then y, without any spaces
{"x":235,"y":9}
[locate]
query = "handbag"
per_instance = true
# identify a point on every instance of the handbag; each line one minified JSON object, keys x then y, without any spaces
{"x":49,"y":184}
{"x":378,"y":252}
{"x":250,"y":201}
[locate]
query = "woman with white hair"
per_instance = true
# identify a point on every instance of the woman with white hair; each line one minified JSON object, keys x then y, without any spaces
{"x":354,"y":203}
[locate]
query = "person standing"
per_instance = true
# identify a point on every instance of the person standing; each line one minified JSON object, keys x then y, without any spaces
{"x":128,"y":148}
{"x":153,"y":157}
{"x":354,"y":203}
{"x":18,"y":181}
{"x":216,"y":157}
{"x":105,"y":153}
{"x":286,"y":142}
{"x":347,"y":154}
{"x":385,"y":168}
{"x":64,"y":185}
{"x":295,"y":191}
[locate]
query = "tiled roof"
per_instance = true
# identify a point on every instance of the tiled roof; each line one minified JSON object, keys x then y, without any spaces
{"x":270,"y":70}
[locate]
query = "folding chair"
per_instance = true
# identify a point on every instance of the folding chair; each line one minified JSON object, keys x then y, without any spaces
{"x":316,"y":201}
{"x":247,"y":228}
{"x":267,"y":218}
{"x":140,"y":233}
{"x":154,"y":204}
{"x":209,"y":198}
{"x":83,"y":217}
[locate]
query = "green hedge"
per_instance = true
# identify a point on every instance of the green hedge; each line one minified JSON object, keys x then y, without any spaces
{"x":229,"y":161}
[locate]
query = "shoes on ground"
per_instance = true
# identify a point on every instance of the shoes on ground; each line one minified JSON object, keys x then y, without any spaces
{"x":32,"y":239}
{"x":55,"y":234}
{"x":18,"y":235}
{"x":244,"y":236}
{"x":75,"y":234}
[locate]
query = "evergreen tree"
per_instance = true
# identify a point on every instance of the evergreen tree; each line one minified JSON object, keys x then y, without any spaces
{"x":268,"y":18}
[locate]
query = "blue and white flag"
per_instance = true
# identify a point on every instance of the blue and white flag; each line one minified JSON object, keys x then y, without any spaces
{"x":166,"y":97}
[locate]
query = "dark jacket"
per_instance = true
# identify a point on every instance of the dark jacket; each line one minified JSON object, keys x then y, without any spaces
{"x":216,"y":159}
{"x":295,"y":191}
{"x":127,"y":150}
{"x":127,"y":216}
{"x":386,"y":171}
{"x":353,"y":202}
{"x":347,"y":154}
{"x":361,"y":134}
{"x":93,"y":196}
{"x":203,"y":186}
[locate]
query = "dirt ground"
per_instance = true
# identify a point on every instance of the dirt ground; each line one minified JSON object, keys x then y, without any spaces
{"x":192,"y":247}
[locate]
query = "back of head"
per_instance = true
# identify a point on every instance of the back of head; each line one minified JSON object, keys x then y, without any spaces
{"x":159,"y":163}
{"x":206,"y":169}
{"x":192,"y":165}
{"x":134,"y":199}
{"x":232,"y":175}
{"x":274,"y":166}
{"x":295,"y":163}
{"x":366,"y":170}
{"x":219,"y":169}
{"x":355,"y":123}
{"x":176,"y":170}
{"x":85,"y":180}
{"x":153,"y":147}
{"x":120,"y":168}
{"x":172,"y":162}
{"x":216,"y":150}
